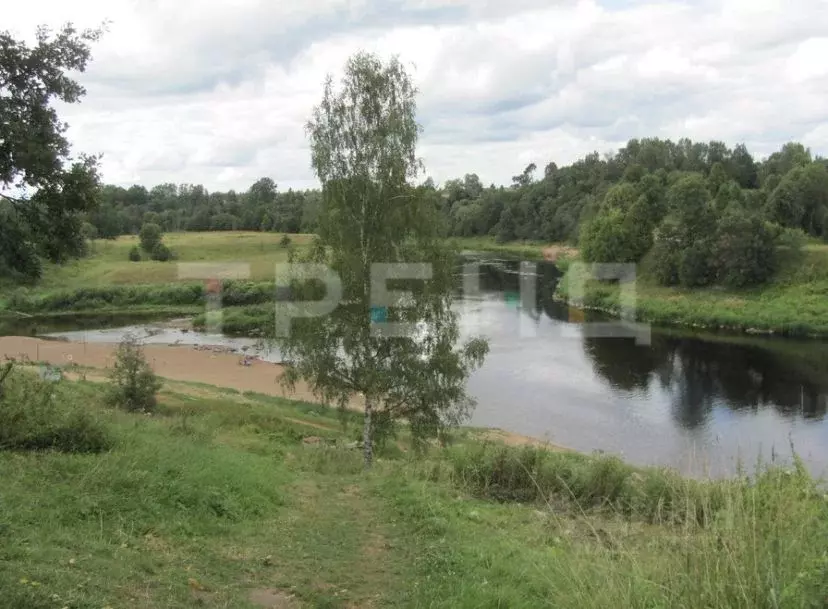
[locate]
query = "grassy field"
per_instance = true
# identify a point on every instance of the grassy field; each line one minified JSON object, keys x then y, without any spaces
{"x":795,"y":303}
{"x":229,"y":500}
{"x":109,"y":263}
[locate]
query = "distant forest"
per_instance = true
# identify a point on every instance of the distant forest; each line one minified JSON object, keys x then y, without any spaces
{"x":701,"y":212}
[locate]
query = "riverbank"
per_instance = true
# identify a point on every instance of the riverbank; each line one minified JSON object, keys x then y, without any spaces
{"x":223,"y":499}
{"x":794,"y":304}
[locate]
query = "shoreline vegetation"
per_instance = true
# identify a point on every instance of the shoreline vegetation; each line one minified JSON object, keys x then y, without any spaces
{"x":794,"y":304}
{"x":232,"y":498}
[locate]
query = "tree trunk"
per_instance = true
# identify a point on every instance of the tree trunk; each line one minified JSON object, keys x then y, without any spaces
{"x":367,"y":434}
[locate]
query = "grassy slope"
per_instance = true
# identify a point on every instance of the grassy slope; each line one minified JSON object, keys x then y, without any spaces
{"x":795,"y":303}
{"x":109,"y":263}
{"x":218,"y":498}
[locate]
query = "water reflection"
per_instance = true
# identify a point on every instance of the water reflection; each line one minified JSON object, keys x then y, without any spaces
{"x":719,"y":397}
{"x":701,"y":374}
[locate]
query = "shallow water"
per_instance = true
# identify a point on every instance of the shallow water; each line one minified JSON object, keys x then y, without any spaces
{"x":698,"y":402}
{"x":165,"y":334}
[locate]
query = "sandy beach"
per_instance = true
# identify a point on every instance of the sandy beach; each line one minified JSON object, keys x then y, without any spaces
{"x":180,"y":363}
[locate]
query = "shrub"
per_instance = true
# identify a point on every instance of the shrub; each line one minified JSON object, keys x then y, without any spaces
{"x":744,"y":251}
{"x":39,"y":415}
{"x":135,"y":254}
{"x":150,"y":236}
{"x":285,"y":241}
{"x":134,"y":384}
{"x":89,"y":231}
{"x":162,"y":253}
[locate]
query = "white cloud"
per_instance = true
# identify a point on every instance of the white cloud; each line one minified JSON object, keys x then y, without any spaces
{"x":218,"y":92}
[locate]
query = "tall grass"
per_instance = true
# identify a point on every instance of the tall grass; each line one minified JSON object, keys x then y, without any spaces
{"x":233,"y":293}
{"x":612,"y":535}
{"x":36,"y":414}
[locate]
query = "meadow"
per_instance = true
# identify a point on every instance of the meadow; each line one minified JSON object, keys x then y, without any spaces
{"x":109,"y":264}
{"x":222,"y":499}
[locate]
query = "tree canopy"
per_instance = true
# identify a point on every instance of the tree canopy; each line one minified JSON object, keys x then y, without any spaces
{"x":44,"y":190}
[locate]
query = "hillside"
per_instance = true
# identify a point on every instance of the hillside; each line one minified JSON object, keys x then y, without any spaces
{"x":226,"y":499}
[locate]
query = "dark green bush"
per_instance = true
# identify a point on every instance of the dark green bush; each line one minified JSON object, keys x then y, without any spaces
{"x":150,"y":237}
{"x":40,"y":415}
{"x":162,"y":253}
{"x":135,"y":254}
{"x":134,"y":384}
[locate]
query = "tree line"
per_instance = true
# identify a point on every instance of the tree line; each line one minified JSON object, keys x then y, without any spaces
{"x":696,"y":213}
{"x":188,"y":207}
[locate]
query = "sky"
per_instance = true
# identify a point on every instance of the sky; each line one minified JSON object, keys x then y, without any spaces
{"x":217,"y":92}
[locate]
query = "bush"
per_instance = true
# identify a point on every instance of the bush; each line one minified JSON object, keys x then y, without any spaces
{"x":39,"y":415}
{"x":162,"y":253}
{"x":745,"y":251}
{"x":285,"y":241}
{"x":135,"y":254}
{"x":89,"y":231}
{"x":134,"y":384}
{"x":150,"y":236}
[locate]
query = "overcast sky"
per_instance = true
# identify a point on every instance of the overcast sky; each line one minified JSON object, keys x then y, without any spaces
{"x":217,"y":92}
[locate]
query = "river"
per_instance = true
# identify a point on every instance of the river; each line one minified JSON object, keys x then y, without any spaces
{"x":702,"y":403}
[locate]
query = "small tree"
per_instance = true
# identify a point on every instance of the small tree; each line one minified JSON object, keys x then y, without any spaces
{"x":150,"y":237}
{"x":285,"y":241}
{"x":135,"y":254}
{"x":134,"y":384}
{"x":162,"y":253}
{"x":363,"y":141}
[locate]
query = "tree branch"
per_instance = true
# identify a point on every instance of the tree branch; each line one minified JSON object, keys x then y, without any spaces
{"x":12,"y":200}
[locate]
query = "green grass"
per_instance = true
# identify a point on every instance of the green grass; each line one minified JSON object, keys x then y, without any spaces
{"x":108,"y":263}
{"x":528,"y":250}
{"x":795,"y":303}
{"x":217,"y":499}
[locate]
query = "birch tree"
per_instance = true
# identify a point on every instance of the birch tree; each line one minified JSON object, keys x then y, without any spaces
{"x":363,"y":138}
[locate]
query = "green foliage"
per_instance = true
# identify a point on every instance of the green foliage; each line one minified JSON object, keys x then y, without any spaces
{"x":19,"y":257}
{"x":135,"y":254}
{"x":36,"y":414}
{"x":133,"y":383}
{"x":285,"y":241}
{"x":89,"y":231}
{"x":801,"y":200}
{"x":224,"y":221}
{"x":745,"y":250}
{"x":35,"y":154}
{"x":606,"y":238}
{"x":363,"y":150}
{"x":161,"y":253}
{"x":150,"y":237}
